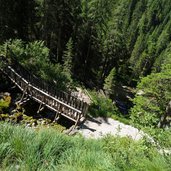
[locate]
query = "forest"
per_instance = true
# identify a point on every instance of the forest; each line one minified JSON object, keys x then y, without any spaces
{"x":118,"y":51}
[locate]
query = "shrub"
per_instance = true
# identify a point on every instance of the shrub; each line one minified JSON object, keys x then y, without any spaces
{"x":132,"y":155}
{"x":4,"y":104}
{"x":102,"y":106}
{"x":150,"y":105}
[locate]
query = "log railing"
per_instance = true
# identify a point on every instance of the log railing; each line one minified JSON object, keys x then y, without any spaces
{"x":61,"y":102}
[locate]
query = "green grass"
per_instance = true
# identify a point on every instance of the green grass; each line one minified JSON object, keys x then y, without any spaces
{"x":121,"y":119}
{"x":162,"y":136}
{"x":29,"y":150}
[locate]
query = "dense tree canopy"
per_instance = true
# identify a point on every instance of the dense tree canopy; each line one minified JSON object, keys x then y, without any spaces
{"x":88,"y":39}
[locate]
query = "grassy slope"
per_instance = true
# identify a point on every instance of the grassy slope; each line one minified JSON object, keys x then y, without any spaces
{"x":25,"y":149}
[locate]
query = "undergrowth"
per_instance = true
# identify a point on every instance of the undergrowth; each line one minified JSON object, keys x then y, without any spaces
{"x":26,"y":149}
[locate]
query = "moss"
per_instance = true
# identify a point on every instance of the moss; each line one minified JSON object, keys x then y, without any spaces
{"x":18,"y":116}
{"x":3,"y":117}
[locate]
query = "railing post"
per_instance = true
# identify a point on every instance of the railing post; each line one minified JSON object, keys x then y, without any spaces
{"x":37,"y":88}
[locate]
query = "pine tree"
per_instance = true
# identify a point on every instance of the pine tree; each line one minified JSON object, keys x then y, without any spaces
{"x":67,"y":58}
{"x":59,"y":22}
{"x":110,"y":82}
{"x":95,"y":17}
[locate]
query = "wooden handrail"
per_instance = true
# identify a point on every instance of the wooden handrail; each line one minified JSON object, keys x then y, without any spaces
{"x":58,"y":101}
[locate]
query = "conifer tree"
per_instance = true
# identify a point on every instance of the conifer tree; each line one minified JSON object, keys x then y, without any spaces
{"x":110,"y":82}
{"x":67,"y":58}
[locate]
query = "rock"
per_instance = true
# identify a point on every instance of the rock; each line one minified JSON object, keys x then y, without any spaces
{"x":100,"y":127}
{"x":140,"y":92}
{"x":6,"y":94}
{"x":28,"y":125}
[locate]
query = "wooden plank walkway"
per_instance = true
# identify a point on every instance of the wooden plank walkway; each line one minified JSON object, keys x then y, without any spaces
{"x":58,"y":101}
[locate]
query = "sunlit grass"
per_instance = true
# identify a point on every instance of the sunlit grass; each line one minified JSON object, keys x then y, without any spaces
{"x":26,"y":149}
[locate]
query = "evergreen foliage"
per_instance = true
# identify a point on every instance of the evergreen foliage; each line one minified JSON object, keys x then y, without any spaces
{"x":67,"y":59}
{"x":105,"y":34}
{"x":110,"y":82}
{"x":34,"y":56}
{"x":151,"y":105}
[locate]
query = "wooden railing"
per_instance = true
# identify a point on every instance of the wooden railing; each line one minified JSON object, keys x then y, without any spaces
{"x":61,"y":102}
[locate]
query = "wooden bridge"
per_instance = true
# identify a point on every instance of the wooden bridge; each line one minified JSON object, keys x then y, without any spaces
{"x":45,"y":94}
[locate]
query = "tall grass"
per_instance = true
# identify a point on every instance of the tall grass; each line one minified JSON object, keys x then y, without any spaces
{"x":29,"y":150}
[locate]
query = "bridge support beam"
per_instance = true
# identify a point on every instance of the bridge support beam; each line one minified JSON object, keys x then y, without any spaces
{"x":57,"y":117}
{"x":22,"y":97}
{"x":41,"y":107}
